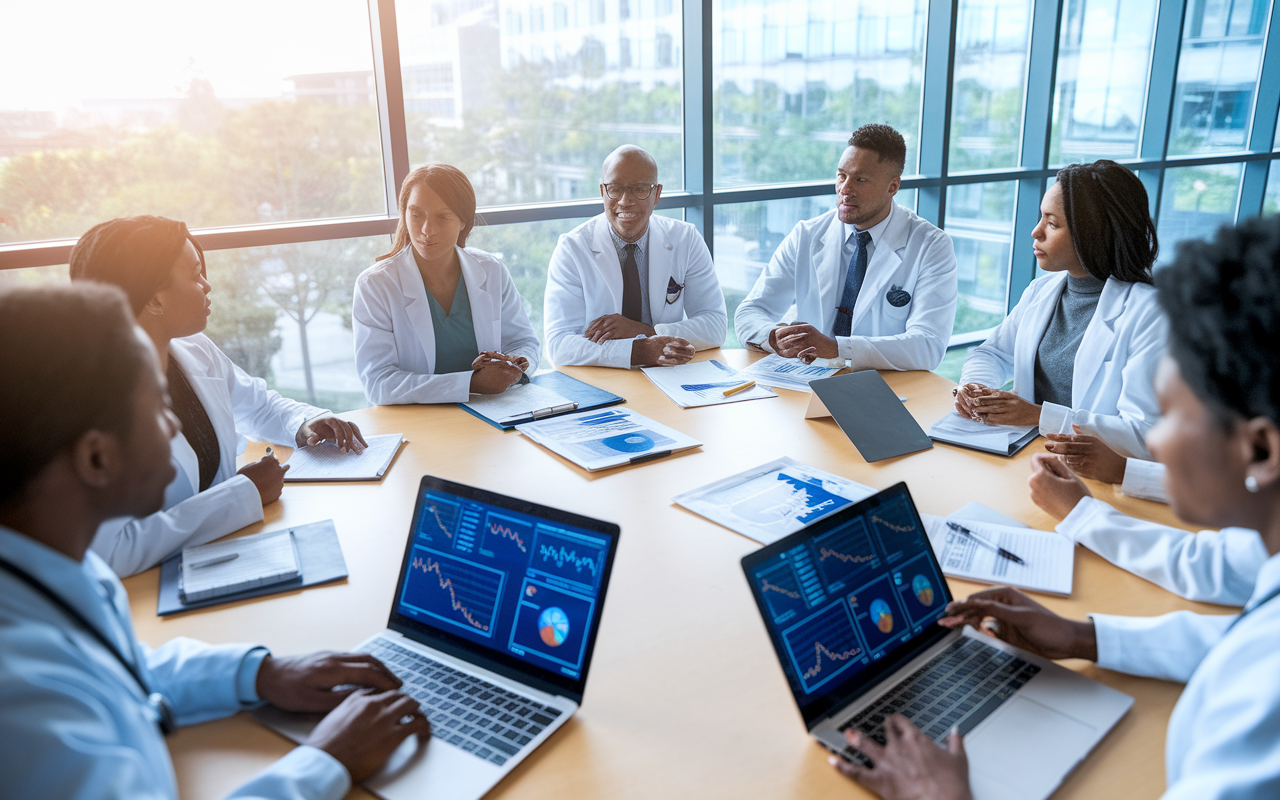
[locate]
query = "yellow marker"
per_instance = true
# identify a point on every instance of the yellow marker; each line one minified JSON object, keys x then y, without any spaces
{"x":734,"y":390}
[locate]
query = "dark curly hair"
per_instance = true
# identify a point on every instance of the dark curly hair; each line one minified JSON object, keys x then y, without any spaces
{"x":1106,"y":209}
{"x":1224,"y":296}
{"x":882,"y":140}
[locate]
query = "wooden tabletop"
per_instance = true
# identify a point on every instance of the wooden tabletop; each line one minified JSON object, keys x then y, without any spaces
{"x":685,"y":697}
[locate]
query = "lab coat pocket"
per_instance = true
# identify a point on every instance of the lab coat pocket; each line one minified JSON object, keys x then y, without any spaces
{"x":897,"y":303}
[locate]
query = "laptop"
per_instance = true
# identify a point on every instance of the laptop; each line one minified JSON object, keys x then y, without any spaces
{"x":492,"y":627}
{"x":851,"y":605}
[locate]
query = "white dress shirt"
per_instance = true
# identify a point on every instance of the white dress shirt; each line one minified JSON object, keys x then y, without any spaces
{"x":805,"y":280}
{"x":1223,"y":739}
{"x":1209,"y":566}
{"x":238,"y":405}
{"x":74,"y":722}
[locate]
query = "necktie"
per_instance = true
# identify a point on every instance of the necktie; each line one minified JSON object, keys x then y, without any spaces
{"x":852,"y":285}
{"x":631,"y":308}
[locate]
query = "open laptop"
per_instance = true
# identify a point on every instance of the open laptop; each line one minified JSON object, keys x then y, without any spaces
{"x":851,"y":605}
{"x":492,"y":627}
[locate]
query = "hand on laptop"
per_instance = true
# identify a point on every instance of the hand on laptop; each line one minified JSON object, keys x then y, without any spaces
{"x":307,"y":683}
{"x":1024,"y":623}
{"x":366,"y":728}
{"x":909,"y":766}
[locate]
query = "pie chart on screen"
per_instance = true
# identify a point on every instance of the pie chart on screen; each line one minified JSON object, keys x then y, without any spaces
{"x":553,"y":626}
{"x":881,"y":615}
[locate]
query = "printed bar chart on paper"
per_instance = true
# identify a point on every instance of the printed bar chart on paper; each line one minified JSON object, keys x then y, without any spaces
{"x":773,"y":499}
{"x":703,"y":383}
{"x":787,"y":373}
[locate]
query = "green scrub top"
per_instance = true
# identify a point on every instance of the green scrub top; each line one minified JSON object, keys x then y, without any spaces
{"x":455,"y":332}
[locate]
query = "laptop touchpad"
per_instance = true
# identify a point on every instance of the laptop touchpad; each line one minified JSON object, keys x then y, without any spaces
{"x":1046,"y":743}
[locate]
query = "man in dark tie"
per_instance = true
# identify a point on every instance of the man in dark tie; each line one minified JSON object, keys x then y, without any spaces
{"x":626,"y":288}
{"x":872,"y":284}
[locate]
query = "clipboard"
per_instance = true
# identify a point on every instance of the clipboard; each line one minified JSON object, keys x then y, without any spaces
{"x":583,"y":397}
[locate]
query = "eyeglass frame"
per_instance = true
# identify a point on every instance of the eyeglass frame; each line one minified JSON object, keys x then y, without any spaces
{"x":625,"y":187}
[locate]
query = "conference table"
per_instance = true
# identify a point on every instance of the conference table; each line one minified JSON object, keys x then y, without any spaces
{"x":685,"y":698}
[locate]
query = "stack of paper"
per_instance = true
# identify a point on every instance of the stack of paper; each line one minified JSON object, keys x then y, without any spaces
{"x":227,"y":567}
{"x":787,"y":373}
{"x":774,"y":499}
{"x":607,"y":438}
{"x":325,"y":462}
{"x":1004,"y":440}
{"x":703,"y":383}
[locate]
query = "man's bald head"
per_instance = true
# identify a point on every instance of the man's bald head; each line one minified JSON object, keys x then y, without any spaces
{"x":634,"y":158}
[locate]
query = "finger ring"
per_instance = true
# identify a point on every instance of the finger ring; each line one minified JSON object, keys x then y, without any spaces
{"x":955,"y":391}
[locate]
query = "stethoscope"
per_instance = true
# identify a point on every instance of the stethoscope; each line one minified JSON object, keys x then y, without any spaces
{"x":158,"y":703}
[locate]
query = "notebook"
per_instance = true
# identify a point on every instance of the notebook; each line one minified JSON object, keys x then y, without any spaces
{"x":325,"y":462}
{"x":1000,"y":440}
{"x":237,"y":565}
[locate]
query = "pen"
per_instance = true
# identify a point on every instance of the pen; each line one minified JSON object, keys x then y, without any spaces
{"x":1000,"y":551}
{"x":209,"y":562}
{"x":734,"y":390}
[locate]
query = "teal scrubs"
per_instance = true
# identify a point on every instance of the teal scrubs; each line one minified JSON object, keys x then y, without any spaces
{"x":456,"y":344}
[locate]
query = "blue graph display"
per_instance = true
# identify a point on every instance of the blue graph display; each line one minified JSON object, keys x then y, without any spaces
{"x":458,"y":592}
{"x":781,"y":592}
{"x":895,"y":525}
{"x":567,"y":556}
{"x":822,"y":646}
{"x":559,"y":636}
{"x":439,"y":520}
{"x":845,"y":554}
{"x":506,"y":533}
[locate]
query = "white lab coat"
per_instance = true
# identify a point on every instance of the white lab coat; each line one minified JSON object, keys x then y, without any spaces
{"x":1112,"y":388}
{"x":75,"y":724}
{"x":584,"y":283}
{"x":1209,"y":566}
{"x":1223,"y":740}
{"x":396,"y":343}
{"x":238,"y":405}
{"x":807,"y":272}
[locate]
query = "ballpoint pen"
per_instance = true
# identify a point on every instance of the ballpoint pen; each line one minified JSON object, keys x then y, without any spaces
{"x":1000,"y":551}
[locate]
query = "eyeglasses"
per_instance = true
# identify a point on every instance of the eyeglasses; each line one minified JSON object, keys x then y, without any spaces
{"x":639,"y":191}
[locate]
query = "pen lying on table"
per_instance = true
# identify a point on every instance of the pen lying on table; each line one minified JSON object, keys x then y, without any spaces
{"x":1000,"y":551}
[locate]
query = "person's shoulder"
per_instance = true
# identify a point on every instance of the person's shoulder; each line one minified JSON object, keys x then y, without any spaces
{"x":382,"y":270}
{"x":483,"y":257}
{"x":816,"y":224}
{"x":582,"y":232}
{"x":199,"y":355}
{"x":915,"y":224}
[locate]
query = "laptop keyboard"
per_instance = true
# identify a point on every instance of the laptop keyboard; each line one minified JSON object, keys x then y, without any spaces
{"x":961,"y":686}
{"x":487,"y":721}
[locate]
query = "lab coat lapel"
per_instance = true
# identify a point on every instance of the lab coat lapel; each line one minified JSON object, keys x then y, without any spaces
{"x":416,"y":306}
{"x":882,"y":267}
{"x":661,"y":264}
{"x":1035,"y":322}
{"x":486,"y":310}
{"x":606,"y":258}
{"x":1099,"y":337}
{"x":215,"y":398}
{"x":828,"y":257}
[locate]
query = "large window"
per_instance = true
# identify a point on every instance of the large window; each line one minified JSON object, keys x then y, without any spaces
{"x":280,"y":131}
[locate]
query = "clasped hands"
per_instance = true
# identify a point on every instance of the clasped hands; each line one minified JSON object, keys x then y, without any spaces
{"x":494,"y":372}
{"x":995,"y":407}
{"x":366,"y":719}
{"x":652,"y":351}
{"x":803,"y":341}
{"x":909,"y":766}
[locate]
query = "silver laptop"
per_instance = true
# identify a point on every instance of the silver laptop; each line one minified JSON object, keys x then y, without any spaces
{"x":851,"y":605}
{"x":492,"y":626}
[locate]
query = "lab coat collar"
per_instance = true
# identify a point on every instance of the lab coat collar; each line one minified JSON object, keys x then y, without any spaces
{"x":213,"y":396}
{"x":1268,"y":581}
{"x":419,"y":310}
{"x":1098,"y":336}
{"x":885,"y":260}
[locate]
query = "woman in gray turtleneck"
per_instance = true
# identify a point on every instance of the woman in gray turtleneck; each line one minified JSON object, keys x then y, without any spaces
{"x":1083,"y":343}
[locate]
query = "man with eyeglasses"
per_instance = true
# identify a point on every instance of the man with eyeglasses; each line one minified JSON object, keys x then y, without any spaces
{"x":626,"y":288}
{"x":872,"y":284}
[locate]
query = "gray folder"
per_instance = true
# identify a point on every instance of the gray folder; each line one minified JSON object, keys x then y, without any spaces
{"x":871,"y":415}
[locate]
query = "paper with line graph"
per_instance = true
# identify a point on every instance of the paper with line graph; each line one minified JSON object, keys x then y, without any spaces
{"x":774,"y":499}
{"x":703,"y":383}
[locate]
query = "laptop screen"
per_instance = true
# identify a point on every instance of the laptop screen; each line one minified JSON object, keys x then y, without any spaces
{"x":514,"y":582}
{"x":849,"y":598}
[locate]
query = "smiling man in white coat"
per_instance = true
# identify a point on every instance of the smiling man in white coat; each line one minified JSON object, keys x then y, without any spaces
{"x":626,"y":288}
{"x":870,"y":282}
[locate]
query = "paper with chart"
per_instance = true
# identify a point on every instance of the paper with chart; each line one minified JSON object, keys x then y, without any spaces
{"x":703,"y":383}
{"x":609,"y":437}
{"x":517,"y":402}
{"x":955,"y":429}
{"x":787,"y":373}
{"x":325,"y":462}
{"x":774,"y":499}
{"x":1049,"y":556}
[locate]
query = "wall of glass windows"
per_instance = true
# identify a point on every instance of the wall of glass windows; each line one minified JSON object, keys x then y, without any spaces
{"x":279,"y":130}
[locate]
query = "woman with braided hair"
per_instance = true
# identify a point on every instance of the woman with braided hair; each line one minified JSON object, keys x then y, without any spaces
{"x":1083,"y":342}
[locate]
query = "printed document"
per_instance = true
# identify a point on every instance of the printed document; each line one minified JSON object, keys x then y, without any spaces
{"x":787,"y":373}
{"x":774,"y":499}
{"x":608,"y":437}
{"x":703,"y":383}
{"x":956,"y":429}
{"x":517,"y":402}
{"x":325,"y":462}
{"x":1049,"y":556}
